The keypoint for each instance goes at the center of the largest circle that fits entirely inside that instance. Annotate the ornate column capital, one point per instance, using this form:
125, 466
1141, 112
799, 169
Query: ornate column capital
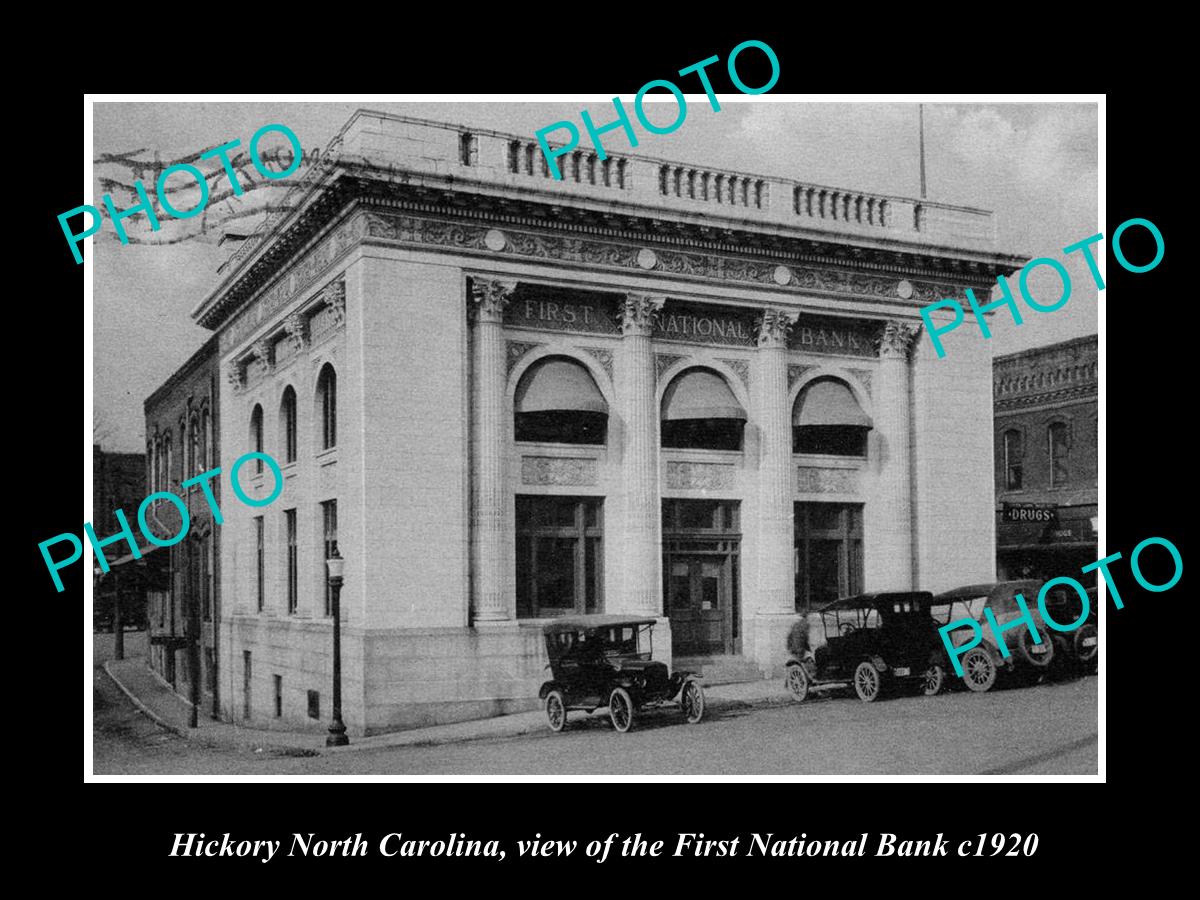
490, 297
335, 299
297, 331
897, 339
636, 313
263, 351
237, 379
773, 327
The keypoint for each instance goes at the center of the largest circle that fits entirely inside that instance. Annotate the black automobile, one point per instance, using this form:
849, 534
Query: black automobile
1080, 648
873, 643
606, 661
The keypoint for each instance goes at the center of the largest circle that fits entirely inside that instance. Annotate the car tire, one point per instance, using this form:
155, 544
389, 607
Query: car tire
691, 699
797, 682
979, 670
1089, 657
933, 680
556, 711
620, 709
868, 682
1039, 661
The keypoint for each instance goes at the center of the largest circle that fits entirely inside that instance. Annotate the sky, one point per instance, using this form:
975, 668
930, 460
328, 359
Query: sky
1033, 164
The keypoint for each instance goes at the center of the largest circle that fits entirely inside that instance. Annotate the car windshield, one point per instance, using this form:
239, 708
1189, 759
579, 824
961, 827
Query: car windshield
970, 608
620, 640
858, 616
616, 641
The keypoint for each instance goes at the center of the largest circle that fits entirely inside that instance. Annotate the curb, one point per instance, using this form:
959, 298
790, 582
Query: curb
145, 710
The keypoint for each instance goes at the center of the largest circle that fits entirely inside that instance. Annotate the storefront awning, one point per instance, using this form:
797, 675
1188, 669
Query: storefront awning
559, 385
829, 402
699, 394
153, 569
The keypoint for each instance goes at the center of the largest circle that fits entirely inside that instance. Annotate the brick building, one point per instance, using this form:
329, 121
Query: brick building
183, 440
648, 388
1046, 424
118, 482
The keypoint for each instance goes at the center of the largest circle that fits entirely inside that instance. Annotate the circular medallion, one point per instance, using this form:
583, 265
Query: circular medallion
904, 289
495, 240
647, 258
783, 275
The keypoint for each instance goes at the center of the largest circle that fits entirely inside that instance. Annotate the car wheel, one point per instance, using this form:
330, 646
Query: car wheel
932, 680
979, 671
797, 682
556, 711
692, 701
867, 682
1037, 655
1087, 647
620, 709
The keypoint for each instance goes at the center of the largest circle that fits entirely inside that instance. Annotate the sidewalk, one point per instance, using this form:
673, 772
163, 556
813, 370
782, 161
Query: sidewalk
170, 711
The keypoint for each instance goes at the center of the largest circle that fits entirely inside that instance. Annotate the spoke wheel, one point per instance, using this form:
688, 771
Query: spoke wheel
797, 682
620, 709
1040, 660
867, 682
692, 702
979, 672
1088, 657
932, 680
556, 711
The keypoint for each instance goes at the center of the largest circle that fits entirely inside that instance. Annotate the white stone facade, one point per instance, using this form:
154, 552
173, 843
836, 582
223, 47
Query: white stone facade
409, 295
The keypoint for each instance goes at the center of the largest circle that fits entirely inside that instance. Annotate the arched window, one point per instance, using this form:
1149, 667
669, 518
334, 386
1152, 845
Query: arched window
1014, 460
164, 483
256, 436
151, 461
194, 457
287, 423
558, 401
1058, 439
699, 410
327, 406
827, 419
206, 448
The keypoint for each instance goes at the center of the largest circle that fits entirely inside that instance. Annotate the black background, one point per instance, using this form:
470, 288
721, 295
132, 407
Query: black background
127, 829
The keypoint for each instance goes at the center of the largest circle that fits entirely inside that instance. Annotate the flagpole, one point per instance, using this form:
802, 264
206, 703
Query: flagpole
921, 118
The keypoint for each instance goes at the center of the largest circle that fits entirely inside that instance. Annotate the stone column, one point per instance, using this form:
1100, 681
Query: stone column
776, 474
641, 533
890, 546
489, 299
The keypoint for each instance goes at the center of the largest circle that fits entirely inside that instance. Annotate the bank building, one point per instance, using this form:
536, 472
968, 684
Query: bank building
649, 388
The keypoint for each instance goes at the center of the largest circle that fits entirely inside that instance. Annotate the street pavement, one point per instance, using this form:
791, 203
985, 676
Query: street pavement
1045, 729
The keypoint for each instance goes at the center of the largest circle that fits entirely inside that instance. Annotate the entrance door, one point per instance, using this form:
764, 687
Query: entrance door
698, 603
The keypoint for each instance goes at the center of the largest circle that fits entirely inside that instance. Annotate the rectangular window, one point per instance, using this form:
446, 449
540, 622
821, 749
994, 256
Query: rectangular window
329, 544
260, 562
314, 704
292, 592
829, 554
1014, 453
210, 671
468, 149
278, 696
1059, 446
559, 556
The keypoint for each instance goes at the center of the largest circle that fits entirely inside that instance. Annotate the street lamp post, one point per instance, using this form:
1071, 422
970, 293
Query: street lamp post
337, 730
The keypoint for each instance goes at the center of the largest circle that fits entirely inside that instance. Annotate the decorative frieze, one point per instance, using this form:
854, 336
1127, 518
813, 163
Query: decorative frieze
557, 470
700, 476
813, 480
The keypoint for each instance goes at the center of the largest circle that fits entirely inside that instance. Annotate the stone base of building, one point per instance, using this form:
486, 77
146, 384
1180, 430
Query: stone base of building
392, 679
766, 641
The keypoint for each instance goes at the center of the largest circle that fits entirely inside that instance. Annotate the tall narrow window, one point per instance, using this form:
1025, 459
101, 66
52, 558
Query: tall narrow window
260, 562
287, 424
290, 527
205, 569
165, 483
256, 436
329, 544
1059, 441
559, 556
206, 448
1014, 460
829, 556
468, 149
327, 403
193, 457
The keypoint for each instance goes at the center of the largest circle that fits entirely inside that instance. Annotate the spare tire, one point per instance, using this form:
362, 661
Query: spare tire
797, 639
1037, 655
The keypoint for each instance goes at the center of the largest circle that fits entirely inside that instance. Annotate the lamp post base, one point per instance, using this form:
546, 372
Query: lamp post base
337, 736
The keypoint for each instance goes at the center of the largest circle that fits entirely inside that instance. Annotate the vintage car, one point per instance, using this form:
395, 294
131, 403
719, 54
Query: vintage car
605, 661
1079, 649
984, 664
871, 642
